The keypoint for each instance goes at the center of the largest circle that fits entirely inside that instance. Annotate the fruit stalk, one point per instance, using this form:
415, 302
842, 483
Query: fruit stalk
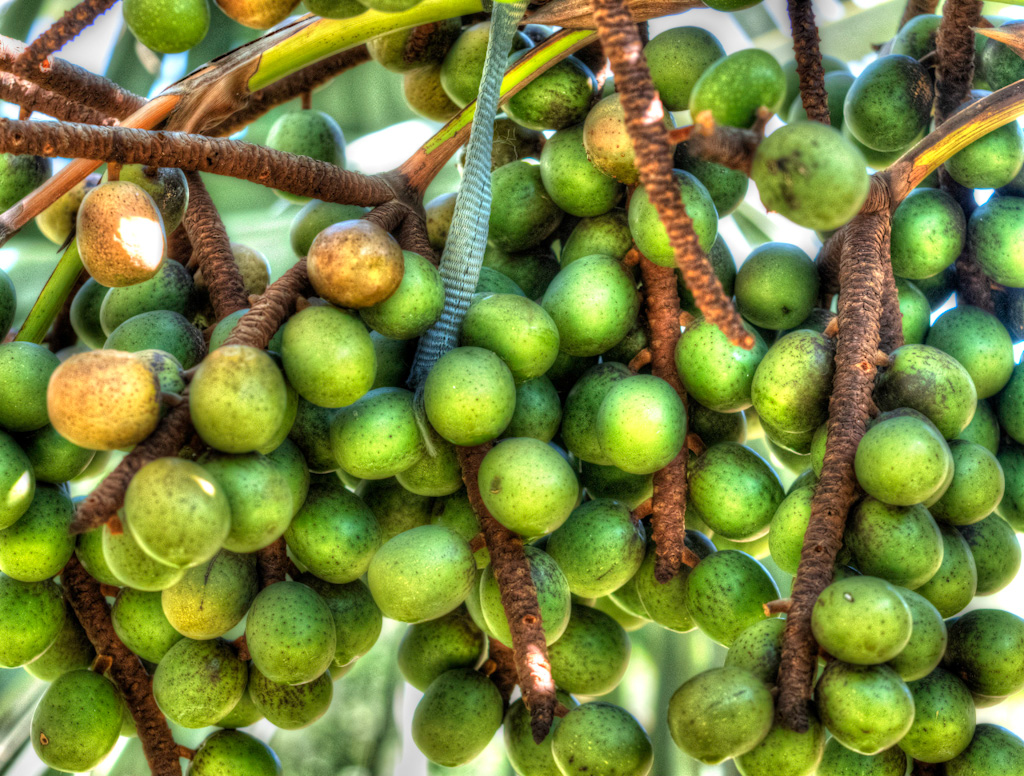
258, 325
34, 98
807, 51
501, 668
644, 115
668, 505
90, 607
61, 32
272, 563
518, 598
51, 299
212, 250
864, 249
728, 146
954, 45
412, 236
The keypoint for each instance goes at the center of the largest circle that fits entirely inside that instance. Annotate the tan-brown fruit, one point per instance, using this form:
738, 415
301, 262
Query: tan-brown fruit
120, 234
424, 94
253, 266
103, 400
56, 221
355, 264
608, 145
258, 14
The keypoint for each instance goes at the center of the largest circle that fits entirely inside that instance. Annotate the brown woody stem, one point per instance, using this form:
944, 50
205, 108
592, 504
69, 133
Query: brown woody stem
34, 98
61, 32
501, 668
90, 607
519, 599
644, 116
954, 45
807, 51
917, 8
264, 318
273, 563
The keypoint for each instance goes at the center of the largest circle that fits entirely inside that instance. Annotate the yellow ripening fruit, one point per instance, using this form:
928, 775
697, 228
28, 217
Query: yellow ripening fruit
355, 264
120, 234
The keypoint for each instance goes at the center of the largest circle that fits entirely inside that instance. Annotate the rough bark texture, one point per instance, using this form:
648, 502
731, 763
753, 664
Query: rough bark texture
519, 599
807, 51
954, 45
61, 32
728, 146
34, 98
501, 668
860, 309
267, 314
916, 8
644, 116
412, 236
272, 563
90, 607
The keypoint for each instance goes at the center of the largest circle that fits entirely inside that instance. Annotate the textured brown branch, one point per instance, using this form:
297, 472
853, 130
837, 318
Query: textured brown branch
501, 668
107, 497
519, 599
267, 314
179, 247
644, 116
860, 309
289, 172
891, 319
272, 563
412, 236
61, 32
807, 51
34, 98
668, 505
90, 607
917, 8
389, 216
211, 249
954, 45
728, 146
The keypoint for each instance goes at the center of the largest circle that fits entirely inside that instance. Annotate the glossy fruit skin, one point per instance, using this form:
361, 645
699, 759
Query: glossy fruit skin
725, 594
576, 185
230, 751
310, 133
735, 491
20, 175
430, 648
519, 330
414, 306
889, 103
552, 595
902, 545
902, 461
810, 174
677, 58
523, 214
995, 233
944, 718
314, 217
38, 605
993, 750
996, 552
130, 565
977, 487
861, 620
650, 234
928, 233
734, 88
837, 84
592, 654
287, 706
776, 286
641, 424
607, 141
840, 761
212, 599
727, 386
260, 495
377, 437
558, 98
463, 66
17, 481
25, 369
458, 715
866, 708
720, 713
956, 581
139, 621
355, 264
168, 28
985, 650
665, 603
784, 752
198, 682
169, 289
601, 736
290, 633
787, 528
726, 186
77, 721
759, 650
914, 310
469, 396
527, 757
38, 545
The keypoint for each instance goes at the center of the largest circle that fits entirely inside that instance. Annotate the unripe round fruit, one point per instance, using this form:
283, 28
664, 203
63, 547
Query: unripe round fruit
861, 620
592, 654
77, 721
956, 581
522, 212
902, 545
785, 752
377, 436
213, 598
597, 733
469, 396
576, 185
516, 328
168, 28
994, 231
355, 264
735, 491
759, 650
71, 651
924, 461
944, 718
38, 545
641, 424
866, 708
17, 481
103, 400
677, 58
726, 593
558, 98
131, 566
840, 761
525, 755
310, 133
889, 103
25, 369
776, 286
259, 493
553, 598
607, 143
715, 372
928, 231
198, 682
650, 234
39, 609
231, 751
985, 650
139, 621
995, 550
290, 633
733, 88
288, 706
414, 306
120, 234
458, 715
20, 175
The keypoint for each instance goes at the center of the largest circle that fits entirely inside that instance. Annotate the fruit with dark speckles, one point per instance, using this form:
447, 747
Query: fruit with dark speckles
641, 424
995, 231
944, 718
517, 329
198, 682
996, 552
601, 738
527, 757
229, 752
579, 416
861, 620
734, 87
792, 383
553, 598
758, 649
788, 526
986, 650
130, 565
38, 545
377, 436
726, 592
77, 721
928, 638
784, 752
866, 708
977, 487
889, 103
902, 460
290, 633
928, 233
715, 372
776, 286
288, 706
666, 603
70, 651
840, 761
677, 58
39, 610
592, 654
140, 622
469, 396
457, 716
650, 234
994, 751
213, 598
956, 581
734, 490
430, 648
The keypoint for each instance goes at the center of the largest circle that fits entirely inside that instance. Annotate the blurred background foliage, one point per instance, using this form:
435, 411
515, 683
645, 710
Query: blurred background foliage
365, 733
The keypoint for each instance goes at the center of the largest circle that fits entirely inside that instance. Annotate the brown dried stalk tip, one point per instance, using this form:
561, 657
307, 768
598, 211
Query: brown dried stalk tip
107, 497
61, 32
501, 669
519, 599
90, 607
954, 45
257, 326
412, 236
273, 563
807, 51
212, 250
644, 115
234, 158
865, 249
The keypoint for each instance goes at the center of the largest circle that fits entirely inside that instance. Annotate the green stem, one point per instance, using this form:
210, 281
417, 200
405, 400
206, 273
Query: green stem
324, 37
52, 297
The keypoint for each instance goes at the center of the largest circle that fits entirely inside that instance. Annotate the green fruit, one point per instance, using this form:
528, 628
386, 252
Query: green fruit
414, 47
395, 508
916, 37
527, 757
469, 396
463, 66
160, 330
77, 721
1011, 508
576, 185
531, 271
198, 682
176, 513
726, 186
861, 620
902, 545
991, 161
438, 474
677, 58
735, 87
810, 174
993, 750
38, 609
314, 217
776, 286
649, 232
641, 424
607, 141
169, 289
290, 633
140, 622
836, 86
923, 455
592, 654
866, 708
20, 175
986, 650
522, 212
944, 718
131, 566
931, 382
720, 713
515, 328
726, 593
455, 512
759, 650
840, 761
311, 434
260, 496
429, 649
238, 399
734, 490
788, 526
1011, 414
606, 234
792, 383
610, 482
213, 598
927, 642
309, 133
243, 714
995, 550
558, 98
328, 356
915, 311
168, 27
357, 620
458, 715
956, 581
288, 460
977, 486
538, 411
421, 574
377, 436
995, 234
979, 342
25, 370
889, 103
552, 595
715, 372
665, 603
413, 307
601, 738
784, 752
599, 548
230, 751
17, 481
334, 535
579, 420
291, 707
492, 281
70, 651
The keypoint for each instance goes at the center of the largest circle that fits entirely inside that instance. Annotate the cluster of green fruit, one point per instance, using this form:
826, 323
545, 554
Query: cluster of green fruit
316, 439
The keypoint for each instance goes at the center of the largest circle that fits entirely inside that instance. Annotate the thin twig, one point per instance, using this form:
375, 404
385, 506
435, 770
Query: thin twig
273, 563
61, 32
917, 8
